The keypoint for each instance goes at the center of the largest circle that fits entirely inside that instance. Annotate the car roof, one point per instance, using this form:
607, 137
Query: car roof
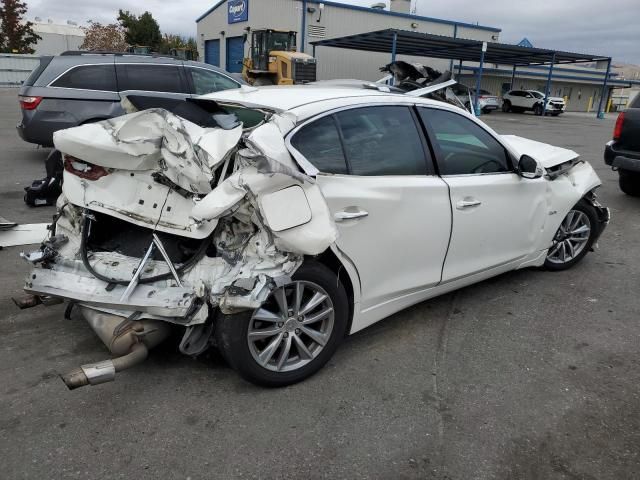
289, 97
61, 63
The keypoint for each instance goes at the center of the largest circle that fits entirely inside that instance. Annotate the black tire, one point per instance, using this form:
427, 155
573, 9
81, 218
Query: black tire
506, 106
538, 110
487, 111
231, 333
585, 207
629, 182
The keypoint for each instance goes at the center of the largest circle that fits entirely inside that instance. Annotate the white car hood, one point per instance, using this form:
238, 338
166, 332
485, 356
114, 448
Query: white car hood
547, 155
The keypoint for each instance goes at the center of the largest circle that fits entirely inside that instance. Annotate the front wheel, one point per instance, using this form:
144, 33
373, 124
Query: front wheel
506, 106
538, 110
574, 237
293, 334
629, 182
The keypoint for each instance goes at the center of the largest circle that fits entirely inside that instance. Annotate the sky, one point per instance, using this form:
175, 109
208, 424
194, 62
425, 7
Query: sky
583, 26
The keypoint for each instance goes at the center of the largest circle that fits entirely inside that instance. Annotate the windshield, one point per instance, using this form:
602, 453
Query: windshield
282, 41
536, 94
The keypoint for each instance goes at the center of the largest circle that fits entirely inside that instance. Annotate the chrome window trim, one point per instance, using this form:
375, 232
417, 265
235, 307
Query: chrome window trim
51, 83
312, 170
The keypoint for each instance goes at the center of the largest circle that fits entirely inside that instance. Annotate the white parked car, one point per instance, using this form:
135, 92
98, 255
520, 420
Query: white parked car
340, 208
487, 102
531, 100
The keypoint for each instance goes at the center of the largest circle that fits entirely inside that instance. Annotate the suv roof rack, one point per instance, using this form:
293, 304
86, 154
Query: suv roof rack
70, 53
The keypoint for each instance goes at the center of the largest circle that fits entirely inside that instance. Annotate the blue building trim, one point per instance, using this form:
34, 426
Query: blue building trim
380, 12
556, 76
210, 10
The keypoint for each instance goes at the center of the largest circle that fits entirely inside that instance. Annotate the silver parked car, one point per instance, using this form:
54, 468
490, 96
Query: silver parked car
75, 88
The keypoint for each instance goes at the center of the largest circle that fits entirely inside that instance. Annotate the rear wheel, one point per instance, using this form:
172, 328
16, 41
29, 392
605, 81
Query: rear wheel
629, 182
506, 106
574, 237
293, 334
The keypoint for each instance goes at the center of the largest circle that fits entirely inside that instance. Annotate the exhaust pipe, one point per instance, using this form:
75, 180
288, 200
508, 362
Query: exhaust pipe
129, 340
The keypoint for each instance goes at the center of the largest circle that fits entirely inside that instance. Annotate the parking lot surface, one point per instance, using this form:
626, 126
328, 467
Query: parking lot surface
530, 375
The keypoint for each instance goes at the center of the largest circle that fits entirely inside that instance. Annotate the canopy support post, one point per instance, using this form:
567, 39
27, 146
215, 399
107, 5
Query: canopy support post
548, 87
604, 90
476, 105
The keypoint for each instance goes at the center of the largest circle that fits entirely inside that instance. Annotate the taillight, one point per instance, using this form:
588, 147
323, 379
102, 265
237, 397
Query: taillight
617, 130
29, 103
83, 169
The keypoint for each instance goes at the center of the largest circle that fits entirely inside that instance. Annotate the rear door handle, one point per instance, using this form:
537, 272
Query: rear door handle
349, 215
468, 203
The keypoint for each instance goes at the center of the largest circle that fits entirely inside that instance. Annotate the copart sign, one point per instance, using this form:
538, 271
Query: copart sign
238, 11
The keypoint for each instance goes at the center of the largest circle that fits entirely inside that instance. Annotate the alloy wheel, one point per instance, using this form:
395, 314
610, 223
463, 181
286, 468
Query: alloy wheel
292, 327
571, 238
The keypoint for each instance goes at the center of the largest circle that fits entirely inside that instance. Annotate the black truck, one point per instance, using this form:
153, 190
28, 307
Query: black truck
623, 152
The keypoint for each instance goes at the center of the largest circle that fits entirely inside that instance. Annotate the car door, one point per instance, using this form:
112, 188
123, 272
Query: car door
166, 81
392, 212
516, 98
497, 215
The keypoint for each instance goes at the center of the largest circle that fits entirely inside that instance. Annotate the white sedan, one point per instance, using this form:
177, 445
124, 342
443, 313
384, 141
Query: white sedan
345, 205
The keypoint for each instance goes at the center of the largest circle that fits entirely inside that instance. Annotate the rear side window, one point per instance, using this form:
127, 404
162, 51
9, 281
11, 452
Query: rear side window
36, 72
319, 142
89, 77
636, 102
465, 148
151, 78
207, 81
382, 141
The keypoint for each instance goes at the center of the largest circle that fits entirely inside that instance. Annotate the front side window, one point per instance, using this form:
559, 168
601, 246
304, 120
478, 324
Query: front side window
465, 147
150, 78
208, 81
382, 141
89, 77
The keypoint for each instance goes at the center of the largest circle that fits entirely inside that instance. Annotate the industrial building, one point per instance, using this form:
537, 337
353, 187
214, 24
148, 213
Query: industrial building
221, 29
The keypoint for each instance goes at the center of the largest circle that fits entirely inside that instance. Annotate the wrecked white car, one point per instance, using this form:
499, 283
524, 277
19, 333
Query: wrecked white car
272, 241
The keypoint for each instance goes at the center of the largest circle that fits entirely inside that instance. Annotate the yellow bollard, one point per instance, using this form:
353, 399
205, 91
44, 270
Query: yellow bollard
609, 105
590, 104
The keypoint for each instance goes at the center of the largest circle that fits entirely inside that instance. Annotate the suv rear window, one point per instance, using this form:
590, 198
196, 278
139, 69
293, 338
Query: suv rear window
89, 77
35, 73
151, 78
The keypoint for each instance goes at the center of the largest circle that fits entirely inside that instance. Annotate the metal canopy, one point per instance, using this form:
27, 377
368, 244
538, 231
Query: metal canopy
404, 42
439, 46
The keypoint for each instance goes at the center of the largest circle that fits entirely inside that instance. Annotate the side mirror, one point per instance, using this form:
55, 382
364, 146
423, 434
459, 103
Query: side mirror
528, 167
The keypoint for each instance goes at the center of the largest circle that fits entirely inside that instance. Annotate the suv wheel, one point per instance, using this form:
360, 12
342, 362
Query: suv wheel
292, 335
538, 110
629, 182
506, 106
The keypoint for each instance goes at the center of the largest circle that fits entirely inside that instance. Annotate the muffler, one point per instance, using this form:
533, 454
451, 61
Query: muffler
129, 340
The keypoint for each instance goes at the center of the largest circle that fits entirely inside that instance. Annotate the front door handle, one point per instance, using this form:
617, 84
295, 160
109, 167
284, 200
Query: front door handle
468, 203
349, 215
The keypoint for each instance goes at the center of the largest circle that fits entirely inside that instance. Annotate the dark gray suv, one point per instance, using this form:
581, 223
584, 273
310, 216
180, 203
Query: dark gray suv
82, 87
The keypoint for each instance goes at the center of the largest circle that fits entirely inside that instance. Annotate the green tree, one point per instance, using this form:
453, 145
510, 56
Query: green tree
140, 30
16, 35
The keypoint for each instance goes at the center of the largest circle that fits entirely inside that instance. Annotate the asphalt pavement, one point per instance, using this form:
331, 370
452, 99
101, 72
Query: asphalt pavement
530, 375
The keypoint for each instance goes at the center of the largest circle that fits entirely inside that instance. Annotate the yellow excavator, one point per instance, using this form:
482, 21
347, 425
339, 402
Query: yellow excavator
274, 60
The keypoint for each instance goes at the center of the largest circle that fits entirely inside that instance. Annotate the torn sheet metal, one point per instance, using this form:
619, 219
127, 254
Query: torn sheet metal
153, 139
261, 216
27, 234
